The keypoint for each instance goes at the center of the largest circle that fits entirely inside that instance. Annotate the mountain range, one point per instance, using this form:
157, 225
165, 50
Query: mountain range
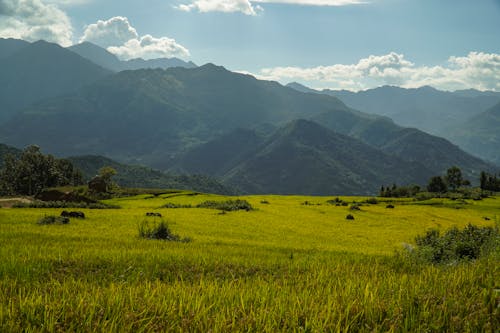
257, 135
448, 114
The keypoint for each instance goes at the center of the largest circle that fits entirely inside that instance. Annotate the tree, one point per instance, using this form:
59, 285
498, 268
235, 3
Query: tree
106, 173
483, 180
437, 185
32, 172
454, 178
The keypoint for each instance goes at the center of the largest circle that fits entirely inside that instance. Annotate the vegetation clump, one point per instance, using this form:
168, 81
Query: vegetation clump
228, 205
355, 206
337, 201
160, 231
349, 217
53, 220
455, 245
175, 205
64, 204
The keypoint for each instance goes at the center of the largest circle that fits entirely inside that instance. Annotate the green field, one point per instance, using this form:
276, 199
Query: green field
284, 266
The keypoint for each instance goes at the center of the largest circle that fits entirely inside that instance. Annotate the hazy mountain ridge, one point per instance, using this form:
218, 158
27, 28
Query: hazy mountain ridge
106, 59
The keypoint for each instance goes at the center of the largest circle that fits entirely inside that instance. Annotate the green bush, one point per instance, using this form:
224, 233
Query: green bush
64, 204
372, 201
455, 245
174, 205
159, 231
228, 205
349, 217
53, 220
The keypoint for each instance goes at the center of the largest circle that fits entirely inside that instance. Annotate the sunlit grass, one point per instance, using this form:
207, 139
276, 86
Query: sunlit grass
284, 266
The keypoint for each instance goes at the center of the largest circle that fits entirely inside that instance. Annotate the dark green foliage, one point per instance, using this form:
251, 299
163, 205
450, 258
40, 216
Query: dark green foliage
437, 185
160, 231
65, 204
455, 244
349, 217
337, 201
134, 176
175, 205
372, 201
389, 206
355, 206
454, 178
265, 202
399, 191
53, 220
228, 205
33, 171
489, 182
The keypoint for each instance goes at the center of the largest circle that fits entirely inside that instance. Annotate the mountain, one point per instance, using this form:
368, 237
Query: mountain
98, 55
425, 108
304, 157
481, 134
9, 46
150, 116
103, 58
172, 119
143, 177
42, 70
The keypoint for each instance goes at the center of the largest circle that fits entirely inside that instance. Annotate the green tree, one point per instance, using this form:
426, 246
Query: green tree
454, 178
437, 185
107, 173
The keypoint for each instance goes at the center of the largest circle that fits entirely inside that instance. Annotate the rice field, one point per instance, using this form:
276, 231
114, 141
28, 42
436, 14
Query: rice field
293, 264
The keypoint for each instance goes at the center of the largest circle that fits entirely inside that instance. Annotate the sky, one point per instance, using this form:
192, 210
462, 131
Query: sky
336, 44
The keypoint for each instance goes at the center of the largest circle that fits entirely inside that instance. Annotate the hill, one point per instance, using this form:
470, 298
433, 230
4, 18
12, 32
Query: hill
41, 70
9, 46
160, 117
140, 176
481, 134
5, 150
304, 157
103, 58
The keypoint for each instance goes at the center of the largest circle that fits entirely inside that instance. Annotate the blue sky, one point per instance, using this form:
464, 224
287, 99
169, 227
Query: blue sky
354, 46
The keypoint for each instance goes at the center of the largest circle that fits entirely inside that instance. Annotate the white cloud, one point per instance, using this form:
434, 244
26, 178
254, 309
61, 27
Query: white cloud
113, 32
122, 39
226, 6
149, 47
32, 20
476, 70
251, 7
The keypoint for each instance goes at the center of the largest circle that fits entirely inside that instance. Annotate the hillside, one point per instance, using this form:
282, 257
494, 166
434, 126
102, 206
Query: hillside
139, 176
105, 59
41, 70
305, 158
481, 134
9, 46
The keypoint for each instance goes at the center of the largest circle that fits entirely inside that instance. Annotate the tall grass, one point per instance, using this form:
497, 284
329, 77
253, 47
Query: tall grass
284, 267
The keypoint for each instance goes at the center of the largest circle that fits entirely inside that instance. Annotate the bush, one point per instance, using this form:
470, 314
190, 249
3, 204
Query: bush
265, 202
228, 205
455, 245
159, 231
349, 217
64, 204
53, 220
337, 201
389, 206
371, 201
174, 205
354, 207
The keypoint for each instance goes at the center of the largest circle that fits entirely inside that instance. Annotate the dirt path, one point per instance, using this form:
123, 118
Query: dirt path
9, 202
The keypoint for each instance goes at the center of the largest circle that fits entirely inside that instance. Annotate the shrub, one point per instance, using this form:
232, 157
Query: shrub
337, 201
354, 207
53, 220
455, 245
349, 217
64, 204
228, 205
372, 201
174, 205
265, 202
389, 206
159, 231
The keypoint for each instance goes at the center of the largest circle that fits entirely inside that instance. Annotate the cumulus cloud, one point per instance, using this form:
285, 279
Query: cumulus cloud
251, 7
32, 20
122, 39
148, 47
113, 32
476, 70
226, 6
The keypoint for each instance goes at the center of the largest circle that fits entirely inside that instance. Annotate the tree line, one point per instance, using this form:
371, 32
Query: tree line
33, 171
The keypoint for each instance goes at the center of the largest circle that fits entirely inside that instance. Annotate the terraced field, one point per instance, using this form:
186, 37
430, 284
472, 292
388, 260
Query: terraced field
293, 263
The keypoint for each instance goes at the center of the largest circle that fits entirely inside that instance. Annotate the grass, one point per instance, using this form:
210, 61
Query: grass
282, 267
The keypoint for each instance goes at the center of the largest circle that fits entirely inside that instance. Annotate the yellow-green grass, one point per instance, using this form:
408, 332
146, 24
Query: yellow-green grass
285, 266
